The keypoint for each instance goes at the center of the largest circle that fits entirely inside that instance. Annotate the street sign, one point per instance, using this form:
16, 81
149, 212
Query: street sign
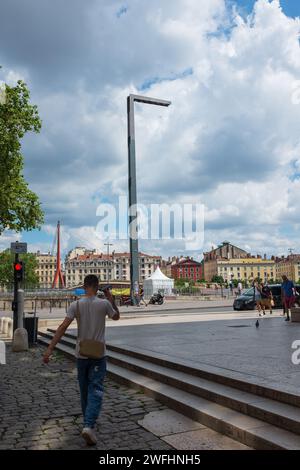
18, 248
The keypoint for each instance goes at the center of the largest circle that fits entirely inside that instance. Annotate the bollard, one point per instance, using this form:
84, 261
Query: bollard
10, 328
2, 353
5, 325
20, 340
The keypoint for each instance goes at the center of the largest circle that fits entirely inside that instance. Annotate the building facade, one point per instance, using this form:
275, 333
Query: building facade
45, 269
246, 269
289, 266
187, 268
231, 262
115, 266
225, 251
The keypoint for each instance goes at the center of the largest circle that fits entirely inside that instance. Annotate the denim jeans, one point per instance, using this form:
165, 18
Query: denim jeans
91, 374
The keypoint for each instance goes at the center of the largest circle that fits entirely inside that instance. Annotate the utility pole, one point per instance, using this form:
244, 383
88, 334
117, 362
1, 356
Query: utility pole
108, 245
18, 267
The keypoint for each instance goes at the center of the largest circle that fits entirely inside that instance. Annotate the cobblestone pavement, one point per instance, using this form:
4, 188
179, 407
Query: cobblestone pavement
39, 408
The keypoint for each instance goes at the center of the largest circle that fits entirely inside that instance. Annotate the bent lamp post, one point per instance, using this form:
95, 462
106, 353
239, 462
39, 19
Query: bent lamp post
132, 220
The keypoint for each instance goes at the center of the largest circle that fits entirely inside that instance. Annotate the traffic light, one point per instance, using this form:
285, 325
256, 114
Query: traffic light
18, 271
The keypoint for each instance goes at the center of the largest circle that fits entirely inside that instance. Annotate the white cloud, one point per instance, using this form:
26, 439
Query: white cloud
230, 139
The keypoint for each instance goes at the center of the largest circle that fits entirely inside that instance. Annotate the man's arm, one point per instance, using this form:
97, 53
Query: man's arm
111, 300
59, 333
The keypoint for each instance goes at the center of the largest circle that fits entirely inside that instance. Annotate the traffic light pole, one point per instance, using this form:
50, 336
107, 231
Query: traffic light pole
15, 302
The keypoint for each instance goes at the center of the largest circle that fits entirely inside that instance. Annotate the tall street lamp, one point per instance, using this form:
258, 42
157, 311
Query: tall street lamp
134, 250
108, 268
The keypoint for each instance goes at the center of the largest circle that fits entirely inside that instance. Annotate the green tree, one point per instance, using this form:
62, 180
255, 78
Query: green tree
217, 279
19, 207
6, 269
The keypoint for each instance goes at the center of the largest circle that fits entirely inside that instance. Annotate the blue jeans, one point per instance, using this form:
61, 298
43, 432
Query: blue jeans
91, 374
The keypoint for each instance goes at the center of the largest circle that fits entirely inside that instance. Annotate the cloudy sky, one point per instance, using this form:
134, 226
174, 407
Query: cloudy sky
230, 140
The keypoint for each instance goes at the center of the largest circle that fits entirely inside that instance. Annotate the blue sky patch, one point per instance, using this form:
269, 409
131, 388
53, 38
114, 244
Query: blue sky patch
121, 11
290, 7
174, 76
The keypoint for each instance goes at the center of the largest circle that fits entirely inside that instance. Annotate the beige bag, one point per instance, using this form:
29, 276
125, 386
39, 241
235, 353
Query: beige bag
89, 347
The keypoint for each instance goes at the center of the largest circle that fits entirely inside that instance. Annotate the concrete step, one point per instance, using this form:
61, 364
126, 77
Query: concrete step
245, 429
273, 412
210, 373
244, 408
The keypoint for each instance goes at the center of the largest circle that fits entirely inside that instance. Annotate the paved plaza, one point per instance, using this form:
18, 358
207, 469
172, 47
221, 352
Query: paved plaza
168, 306
40, 410
228, 344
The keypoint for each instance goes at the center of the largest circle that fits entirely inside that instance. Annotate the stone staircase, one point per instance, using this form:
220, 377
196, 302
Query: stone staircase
255, 415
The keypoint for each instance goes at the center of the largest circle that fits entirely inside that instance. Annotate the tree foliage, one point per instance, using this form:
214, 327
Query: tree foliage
19, 207
217, 279
6, 269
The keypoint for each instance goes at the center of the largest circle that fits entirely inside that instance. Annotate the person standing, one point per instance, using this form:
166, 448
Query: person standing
288, 295
266, 299
90, 313
240, 287
142, 299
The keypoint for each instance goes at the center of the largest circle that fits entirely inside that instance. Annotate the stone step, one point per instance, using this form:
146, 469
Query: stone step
250, 431
210, 373
273, 412
245, 429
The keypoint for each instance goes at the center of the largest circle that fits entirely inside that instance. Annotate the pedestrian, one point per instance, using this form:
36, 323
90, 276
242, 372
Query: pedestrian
266, 299
90, 313
142, 299
240, 287
231, 286
288, 295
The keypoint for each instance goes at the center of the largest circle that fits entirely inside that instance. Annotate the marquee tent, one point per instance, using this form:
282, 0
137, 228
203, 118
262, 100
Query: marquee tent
158, 282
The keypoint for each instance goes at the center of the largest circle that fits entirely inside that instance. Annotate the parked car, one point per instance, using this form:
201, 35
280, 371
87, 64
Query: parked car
246, 301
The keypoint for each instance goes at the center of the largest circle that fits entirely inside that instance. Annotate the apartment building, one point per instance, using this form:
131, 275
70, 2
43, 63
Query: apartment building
45, 269
116, 266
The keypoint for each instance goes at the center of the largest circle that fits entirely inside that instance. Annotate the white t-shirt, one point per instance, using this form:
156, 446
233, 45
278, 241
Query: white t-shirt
93, 313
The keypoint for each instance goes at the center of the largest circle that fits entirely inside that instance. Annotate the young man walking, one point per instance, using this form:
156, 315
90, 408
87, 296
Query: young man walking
90, 313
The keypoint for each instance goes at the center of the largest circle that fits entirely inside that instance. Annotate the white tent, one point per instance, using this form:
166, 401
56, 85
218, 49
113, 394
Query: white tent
158, 282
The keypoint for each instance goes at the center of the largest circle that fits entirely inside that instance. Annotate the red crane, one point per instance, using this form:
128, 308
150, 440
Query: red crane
58, 277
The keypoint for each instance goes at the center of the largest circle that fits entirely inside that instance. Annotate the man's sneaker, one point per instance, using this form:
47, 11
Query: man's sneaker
287, 319
89, 436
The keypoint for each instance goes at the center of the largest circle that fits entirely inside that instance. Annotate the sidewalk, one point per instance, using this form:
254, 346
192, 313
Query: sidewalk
40, 410
169, 305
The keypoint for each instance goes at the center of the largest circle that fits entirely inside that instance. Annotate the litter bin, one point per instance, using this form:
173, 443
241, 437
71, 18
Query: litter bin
30, 324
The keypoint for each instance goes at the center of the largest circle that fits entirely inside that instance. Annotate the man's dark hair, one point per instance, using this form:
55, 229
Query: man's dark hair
91, 281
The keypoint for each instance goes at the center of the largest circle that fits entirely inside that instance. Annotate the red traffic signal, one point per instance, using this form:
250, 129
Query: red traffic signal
18, 271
